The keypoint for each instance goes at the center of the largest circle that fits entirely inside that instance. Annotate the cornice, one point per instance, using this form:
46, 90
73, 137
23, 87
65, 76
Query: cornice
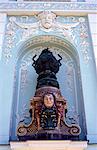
13, 8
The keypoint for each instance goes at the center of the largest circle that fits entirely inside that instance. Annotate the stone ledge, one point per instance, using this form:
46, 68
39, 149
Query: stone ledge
49, 145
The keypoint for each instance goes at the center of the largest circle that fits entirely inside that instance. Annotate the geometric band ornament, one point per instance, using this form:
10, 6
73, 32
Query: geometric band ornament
48, 107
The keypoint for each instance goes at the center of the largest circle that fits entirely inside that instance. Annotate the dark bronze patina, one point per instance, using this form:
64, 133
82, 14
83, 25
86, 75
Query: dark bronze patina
46, 66
48, 107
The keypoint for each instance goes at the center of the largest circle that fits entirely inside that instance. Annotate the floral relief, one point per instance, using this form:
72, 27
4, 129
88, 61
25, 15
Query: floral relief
84, 44
20, 28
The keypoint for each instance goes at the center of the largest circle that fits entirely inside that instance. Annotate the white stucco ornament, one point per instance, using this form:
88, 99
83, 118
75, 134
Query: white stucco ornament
46, 19
21, 28
46, 22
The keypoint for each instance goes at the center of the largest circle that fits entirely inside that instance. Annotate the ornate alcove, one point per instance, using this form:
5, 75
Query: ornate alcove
68, 77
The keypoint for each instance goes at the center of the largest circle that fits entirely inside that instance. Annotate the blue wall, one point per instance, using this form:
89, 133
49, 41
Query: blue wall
84, 51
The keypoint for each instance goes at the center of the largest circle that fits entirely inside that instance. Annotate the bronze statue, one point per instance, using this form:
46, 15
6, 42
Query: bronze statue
48, 107
46, 66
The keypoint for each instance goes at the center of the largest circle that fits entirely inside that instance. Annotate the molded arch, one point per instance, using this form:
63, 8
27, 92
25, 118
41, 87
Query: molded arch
46, 40
27, 46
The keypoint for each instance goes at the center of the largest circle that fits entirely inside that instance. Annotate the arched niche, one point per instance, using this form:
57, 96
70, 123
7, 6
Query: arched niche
69, 79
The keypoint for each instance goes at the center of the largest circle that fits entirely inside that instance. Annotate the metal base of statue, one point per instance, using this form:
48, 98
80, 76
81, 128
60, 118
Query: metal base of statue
48, 107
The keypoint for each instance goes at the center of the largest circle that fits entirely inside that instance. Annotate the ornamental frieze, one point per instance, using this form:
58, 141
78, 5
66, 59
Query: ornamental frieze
53, 6
21, 28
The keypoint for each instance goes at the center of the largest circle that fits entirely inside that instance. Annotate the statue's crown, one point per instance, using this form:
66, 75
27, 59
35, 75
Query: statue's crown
46, 61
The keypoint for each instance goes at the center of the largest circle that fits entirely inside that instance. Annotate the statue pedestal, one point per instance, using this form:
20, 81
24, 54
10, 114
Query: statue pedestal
49, 145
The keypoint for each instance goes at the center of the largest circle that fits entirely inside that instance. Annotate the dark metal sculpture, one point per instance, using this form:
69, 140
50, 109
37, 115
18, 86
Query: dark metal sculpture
48, 107
46, 66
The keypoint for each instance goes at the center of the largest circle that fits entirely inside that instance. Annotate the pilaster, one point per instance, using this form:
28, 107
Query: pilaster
91, 110
93, 29
6, 73
2, 30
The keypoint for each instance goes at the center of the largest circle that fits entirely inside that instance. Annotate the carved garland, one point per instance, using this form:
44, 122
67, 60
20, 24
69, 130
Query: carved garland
18, 31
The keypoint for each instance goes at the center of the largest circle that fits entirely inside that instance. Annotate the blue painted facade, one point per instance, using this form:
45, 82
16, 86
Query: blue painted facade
77, 76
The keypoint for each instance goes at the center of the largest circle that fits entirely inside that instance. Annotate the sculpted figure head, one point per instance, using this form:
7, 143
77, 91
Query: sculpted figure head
47, 18
48, 100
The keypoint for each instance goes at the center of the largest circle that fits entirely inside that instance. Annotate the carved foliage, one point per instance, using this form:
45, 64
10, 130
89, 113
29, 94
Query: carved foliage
74, 29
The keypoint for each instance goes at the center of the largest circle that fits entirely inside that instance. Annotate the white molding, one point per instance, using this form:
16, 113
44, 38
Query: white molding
63, 8
53, 145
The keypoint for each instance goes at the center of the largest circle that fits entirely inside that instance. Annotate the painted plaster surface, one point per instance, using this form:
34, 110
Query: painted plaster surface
21, 28
70, 28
